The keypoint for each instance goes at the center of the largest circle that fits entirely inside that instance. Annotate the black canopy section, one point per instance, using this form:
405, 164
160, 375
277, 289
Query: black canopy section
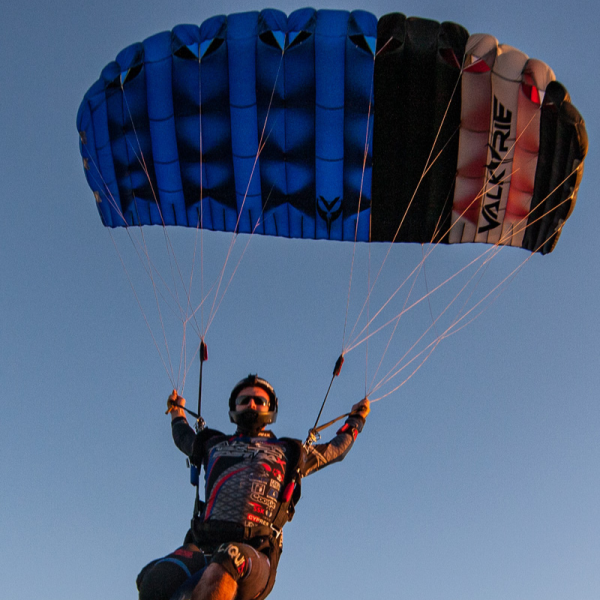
417, 118
563, 146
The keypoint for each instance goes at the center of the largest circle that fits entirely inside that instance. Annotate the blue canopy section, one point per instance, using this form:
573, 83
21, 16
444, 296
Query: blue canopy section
253, 122
289, 126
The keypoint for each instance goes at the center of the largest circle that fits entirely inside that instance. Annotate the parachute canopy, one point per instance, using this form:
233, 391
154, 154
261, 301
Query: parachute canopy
334, 125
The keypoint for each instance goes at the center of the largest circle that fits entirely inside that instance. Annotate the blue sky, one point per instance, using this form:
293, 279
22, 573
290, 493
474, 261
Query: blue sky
478, 479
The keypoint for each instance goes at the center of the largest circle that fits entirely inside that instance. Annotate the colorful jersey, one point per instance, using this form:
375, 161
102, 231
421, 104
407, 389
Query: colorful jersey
244, 476
244, 480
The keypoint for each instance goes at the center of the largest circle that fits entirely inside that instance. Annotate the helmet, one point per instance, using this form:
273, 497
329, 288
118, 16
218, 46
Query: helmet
251, 419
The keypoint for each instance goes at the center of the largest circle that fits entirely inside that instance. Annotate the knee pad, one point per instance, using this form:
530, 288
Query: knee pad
234, 558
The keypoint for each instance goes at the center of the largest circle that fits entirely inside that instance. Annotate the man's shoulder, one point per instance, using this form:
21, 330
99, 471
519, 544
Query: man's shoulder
208, 436
292, 441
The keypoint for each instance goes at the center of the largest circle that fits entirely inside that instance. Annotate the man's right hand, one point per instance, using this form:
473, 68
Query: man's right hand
175, 404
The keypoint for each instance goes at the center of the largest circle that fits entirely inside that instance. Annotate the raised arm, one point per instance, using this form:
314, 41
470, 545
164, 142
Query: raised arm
183, 434
321, 455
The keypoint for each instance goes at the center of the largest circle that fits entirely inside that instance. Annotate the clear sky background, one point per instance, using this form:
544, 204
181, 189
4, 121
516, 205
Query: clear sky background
477, 480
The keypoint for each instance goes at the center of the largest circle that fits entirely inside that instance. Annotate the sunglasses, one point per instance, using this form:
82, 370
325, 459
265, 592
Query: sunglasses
245, 400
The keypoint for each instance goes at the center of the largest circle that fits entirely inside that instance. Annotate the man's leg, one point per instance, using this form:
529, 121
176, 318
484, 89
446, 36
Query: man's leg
216, 584
161, 578
236, 571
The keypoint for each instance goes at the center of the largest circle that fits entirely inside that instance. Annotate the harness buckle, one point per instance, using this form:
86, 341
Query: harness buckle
313, 436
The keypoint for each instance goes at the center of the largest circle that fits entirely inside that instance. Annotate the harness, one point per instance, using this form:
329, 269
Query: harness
265, 539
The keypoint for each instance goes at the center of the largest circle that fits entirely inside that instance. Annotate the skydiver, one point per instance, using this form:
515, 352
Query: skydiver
252, 482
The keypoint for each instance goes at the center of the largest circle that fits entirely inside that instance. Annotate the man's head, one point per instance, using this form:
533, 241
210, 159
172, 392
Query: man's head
253, 404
